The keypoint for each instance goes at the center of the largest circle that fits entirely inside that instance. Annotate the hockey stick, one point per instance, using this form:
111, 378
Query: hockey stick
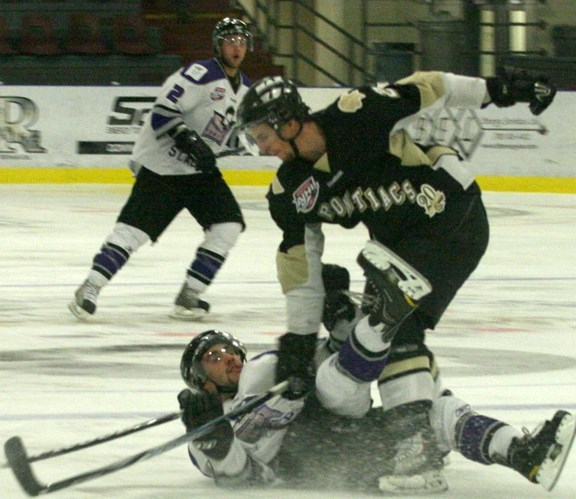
18, 460
100, 440
231, 152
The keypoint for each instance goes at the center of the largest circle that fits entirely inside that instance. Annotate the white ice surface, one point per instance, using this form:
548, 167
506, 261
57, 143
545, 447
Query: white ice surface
507, 344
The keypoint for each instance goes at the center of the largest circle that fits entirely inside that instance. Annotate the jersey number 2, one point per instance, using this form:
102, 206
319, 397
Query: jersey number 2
175, 94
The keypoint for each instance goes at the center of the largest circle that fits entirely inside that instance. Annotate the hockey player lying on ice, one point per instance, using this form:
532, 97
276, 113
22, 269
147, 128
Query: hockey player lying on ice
287, 442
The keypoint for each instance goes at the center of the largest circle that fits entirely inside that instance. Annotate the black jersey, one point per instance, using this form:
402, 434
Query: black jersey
372, 173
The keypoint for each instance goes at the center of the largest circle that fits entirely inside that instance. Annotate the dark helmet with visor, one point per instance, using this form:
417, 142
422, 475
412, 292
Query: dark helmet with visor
191, 369
274, 100
230, 26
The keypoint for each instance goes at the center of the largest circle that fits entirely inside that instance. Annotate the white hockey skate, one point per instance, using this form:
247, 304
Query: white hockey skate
84, 304
188, 305
416, 469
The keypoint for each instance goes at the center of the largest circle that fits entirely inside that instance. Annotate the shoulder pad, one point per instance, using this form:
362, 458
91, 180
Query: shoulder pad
386, 90
351, 101
196, 71
276, 186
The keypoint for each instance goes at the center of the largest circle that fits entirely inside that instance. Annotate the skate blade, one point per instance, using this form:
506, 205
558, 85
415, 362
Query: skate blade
429, 482
551, 467
78, 312
186, 314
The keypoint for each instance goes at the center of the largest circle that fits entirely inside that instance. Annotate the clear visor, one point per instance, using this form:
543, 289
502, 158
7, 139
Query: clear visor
216, 353
248, 142
256, 137
237, 40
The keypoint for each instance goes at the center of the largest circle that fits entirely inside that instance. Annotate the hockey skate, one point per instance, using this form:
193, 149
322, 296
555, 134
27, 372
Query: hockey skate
84, 303
188, 305
541, 455
416, 467
398, 287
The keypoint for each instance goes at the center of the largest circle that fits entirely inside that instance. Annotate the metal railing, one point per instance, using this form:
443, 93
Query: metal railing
298, 47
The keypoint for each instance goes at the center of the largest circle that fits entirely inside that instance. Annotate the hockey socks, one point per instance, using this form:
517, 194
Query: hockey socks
363, 355
204, 268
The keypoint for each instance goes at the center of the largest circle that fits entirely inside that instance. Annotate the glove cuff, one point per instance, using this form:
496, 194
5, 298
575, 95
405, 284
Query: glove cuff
301, 344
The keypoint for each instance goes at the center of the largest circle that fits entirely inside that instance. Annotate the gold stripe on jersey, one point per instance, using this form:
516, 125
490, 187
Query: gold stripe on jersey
436, 152
404, 367
322, 164
277, 187
292, 268
429, 83
410, 154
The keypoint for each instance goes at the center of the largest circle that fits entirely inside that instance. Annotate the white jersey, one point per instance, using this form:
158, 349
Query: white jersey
199, 96
258, 434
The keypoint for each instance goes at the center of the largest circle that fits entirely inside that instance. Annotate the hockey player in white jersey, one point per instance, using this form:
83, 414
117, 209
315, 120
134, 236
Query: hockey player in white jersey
175, 167
242, 453
298, 443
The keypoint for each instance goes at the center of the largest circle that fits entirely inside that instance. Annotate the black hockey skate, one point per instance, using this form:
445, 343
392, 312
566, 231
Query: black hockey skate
541, 455
397, 286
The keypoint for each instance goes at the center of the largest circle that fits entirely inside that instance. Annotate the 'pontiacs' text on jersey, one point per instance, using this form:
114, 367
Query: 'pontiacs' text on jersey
201, 97
372, 173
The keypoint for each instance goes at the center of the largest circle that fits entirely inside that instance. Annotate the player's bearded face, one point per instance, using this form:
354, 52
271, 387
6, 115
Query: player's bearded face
233, 50
223, 365
269, 142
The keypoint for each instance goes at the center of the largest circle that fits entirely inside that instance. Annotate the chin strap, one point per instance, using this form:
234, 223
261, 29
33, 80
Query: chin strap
226, 389
292, 141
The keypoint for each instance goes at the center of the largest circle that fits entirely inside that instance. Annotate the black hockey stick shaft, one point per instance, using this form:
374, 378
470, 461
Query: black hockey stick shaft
18, 460
105, 438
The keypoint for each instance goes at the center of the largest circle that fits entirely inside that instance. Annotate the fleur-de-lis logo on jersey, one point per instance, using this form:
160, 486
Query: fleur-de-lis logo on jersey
350, 102
431, 200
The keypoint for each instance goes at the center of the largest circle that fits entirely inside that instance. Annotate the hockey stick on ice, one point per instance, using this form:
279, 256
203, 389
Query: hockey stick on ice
18, 460
100, 440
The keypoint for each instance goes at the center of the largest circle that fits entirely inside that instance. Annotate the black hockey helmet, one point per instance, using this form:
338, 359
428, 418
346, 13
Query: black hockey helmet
191, 368
274, 100
230, 26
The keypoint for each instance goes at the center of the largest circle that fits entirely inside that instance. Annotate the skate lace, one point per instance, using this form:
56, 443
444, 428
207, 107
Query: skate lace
188, 298
360, 298
410, 455
88, 291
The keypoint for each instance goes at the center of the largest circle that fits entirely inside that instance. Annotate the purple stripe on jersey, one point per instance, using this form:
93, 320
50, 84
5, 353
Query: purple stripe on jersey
158, 121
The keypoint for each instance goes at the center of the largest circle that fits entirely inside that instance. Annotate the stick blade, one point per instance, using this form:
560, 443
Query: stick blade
18, 461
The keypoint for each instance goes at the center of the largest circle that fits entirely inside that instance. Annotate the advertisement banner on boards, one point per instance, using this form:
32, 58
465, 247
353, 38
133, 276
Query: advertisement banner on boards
97, 127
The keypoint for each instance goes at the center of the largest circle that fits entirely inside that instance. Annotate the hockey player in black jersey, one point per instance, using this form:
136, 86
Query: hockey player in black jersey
352, 163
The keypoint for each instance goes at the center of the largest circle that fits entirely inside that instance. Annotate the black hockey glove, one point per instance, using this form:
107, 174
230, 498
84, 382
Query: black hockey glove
190, 143
514, 85
199, 408
296, 363
337, 306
